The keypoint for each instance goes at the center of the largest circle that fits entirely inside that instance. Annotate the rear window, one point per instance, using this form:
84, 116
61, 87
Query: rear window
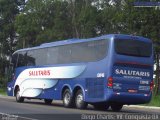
133, 48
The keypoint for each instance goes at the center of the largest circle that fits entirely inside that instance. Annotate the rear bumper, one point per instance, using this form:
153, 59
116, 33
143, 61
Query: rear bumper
121, 97
130, 98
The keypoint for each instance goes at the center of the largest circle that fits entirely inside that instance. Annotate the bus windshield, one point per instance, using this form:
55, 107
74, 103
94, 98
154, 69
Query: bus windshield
133, 48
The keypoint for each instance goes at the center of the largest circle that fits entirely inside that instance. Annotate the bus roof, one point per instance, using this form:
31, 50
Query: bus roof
76, 40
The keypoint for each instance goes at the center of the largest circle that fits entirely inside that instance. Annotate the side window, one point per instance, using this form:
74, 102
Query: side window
30, 58
52, 55
72, 53
80, 52
41, 56
89, 51
21, 59
100, 48
64, 54
14, 60
36, 57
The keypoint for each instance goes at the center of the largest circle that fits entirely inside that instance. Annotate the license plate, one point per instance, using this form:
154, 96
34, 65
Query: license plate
132, 91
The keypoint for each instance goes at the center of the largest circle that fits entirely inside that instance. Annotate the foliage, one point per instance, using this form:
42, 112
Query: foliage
8, 11
25, 23
49, 20
2, 92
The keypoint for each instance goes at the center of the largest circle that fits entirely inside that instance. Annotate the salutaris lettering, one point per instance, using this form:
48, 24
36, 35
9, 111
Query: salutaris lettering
39, 73
132, 73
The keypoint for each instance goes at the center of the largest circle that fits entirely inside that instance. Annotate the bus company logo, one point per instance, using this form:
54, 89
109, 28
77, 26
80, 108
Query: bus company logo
132, 73
39, 73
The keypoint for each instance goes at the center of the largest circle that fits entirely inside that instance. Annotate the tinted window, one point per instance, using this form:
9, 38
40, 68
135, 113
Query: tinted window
64, 54
78, 52
89, 51
52, 55
73, 53
36, 57
31, 58
133, 48
14, 59
21, 59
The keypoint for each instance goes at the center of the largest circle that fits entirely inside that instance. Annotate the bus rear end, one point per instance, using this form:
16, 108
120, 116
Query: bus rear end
132, 70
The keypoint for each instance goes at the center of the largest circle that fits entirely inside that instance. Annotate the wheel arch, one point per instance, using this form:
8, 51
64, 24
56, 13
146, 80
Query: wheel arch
64, 88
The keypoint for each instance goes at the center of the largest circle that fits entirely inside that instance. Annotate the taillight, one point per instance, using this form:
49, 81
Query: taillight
110, 82
151, 85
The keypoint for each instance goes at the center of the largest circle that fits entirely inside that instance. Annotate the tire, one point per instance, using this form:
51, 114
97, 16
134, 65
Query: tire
19, 99
79, 100
116, 107
48, 101
67, 99
101, 106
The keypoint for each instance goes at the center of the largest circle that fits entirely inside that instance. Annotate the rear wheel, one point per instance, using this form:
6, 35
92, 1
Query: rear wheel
18, 97
67, 99
101, 106
116, 107
48, 101
79, 100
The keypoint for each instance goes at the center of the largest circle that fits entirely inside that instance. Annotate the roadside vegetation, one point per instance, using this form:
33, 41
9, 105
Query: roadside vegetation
3, 85
3, 91
155, 101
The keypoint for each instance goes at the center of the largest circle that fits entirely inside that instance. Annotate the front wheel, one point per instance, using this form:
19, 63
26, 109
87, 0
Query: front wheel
48, 101
116, 107
18, 97
79, 100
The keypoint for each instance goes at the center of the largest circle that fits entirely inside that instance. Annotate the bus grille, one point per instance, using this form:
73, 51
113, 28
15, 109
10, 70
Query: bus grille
95, 87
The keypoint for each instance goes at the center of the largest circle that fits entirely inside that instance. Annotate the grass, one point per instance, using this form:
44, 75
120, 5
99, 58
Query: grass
155, 101
3, 92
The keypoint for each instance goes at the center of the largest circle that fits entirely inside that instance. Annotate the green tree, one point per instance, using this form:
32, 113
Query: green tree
51, 20
42, 21
83, 17
8, 10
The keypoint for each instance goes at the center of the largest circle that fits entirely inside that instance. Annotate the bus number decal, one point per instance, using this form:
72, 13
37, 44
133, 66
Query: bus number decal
99, 75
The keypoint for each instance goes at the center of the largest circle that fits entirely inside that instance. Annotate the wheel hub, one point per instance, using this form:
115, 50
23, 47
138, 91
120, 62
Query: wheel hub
67, 98
79, 99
